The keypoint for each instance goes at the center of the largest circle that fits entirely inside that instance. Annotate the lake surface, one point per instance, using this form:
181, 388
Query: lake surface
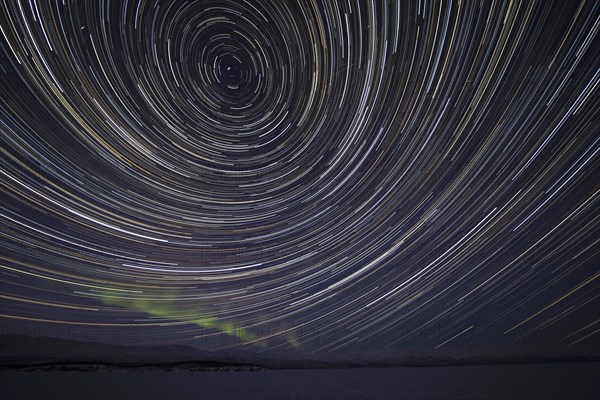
535, 381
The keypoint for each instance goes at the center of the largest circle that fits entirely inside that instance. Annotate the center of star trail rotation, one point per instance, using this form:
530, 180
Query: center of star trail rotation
382, 173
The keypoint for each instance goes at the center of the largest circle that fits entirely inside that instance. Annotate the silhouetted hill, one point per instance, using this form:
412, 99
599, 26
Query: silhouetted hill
52, 354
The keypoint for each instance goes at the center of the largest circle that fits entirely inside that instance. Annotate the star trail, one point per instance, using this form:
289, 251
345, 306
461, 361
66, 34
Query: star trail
311, 175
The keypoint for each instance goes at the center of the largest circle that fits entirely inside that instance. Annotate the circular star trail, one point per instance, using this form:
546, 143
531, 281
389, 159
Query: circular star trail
354, 173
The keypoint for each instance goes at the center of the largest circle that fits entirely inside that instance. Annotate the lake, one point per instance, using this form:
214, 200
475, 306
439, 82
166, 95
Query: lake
533, 381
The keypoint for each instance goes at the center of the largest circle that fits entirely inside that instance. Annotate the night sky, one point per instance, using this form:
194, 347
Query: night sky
312, 176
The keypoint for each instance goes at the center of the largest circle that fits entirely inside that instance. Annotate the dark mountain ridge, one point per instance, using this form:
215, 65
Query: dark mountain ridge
45, 353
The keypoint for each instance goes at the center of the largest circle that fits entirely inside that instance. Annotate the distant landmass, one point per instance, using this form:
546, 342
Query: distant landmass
45, 354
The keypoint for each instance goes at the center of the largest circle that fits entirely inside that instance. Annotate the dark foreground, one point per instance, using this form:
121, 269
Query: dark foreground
535, 381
